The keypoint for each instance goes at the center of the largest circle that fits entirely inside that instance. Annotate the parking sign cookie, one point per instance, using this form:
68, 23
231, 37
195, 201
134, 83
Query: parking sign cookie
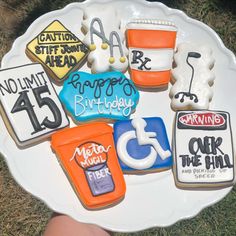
30, 104
105, 40
58, 49
203, 149
88, 157
142, 145
108, 96
192, 77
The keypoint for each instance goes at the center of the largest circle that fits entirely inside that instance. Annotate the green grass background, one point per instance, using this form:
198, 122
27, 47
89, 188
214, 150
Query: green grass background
22, 214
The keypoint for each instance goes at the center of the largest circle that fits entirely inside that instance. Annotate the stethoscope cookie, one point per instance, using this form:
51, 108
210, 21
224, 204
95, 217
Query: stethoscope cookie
203, 149
31, 107
142, 145
109, 96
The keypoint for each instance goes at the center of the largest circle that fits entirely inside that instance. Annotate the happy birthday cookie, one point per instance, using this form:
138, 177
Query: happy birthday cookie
203, 149
151, 45
142, 145
105, 40
109, 96
30, 105
192, 77
58, 49
88, 157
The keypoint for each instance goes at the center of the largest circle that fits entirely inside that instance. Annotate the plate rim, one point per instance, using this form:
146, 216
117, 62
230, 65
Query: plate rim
168, 11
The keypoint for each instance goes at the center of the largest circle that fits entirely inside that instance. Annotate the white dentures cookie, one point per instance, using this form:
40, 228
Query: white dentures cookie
192, 77
104, 39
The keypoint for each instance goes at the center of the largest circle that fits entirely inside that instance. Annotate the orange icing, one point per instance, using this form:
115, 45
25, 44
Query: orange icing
86, 146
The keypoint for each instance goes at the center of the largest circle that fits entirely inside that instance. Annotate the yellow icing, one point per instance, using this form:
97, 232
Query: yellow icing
58, 49
111, 60
104, 46
122, 59
92, 47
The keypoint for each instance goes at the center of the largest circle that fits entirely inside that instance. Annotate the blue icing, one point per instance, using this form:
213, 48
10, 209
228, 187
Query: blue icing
138, 152
91, 96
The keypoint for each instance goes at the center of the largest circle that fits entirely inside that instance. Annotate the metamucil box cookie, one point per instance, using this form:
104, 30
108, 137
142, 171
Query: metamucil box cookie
88, 156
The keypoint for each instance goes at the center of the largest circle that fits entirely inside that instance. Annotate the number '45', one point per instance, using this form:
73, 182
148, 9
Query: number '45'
23, 103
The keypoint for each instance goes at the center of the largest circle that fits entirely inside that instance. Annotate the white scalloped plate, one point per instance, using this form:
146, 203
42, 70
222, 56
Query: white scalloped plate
151, 200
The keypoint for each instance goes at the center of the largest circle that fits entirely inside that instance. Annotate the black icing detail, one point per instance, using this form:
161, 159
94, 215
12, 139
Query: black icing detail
194, 160
188, 94
12, 86
207, 145
226, 159
98, 84
220, 161
54, 36
26, 141
23, 104
138, 58
46, 101
60, 61
84, 48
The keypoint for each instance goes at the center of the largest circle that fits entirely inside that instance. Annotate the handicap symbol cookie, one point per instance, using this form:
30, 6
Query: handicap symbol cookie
109, 96
142, 145
88, 157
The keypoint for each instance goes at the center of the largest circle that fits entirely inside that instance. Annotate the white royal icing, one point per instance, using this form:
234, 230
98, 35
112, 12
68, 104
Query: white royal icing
30, 103
151, 24
203, 147
105, 28
193, 77
144, 138
159, 59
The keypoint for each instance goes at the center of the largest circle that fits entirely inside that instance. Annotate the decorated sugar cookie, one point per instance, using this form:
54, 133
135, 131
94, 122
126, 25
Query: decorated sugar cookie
87, 154
151, 45
108, 95
58, 49
30, 105
142, 145
103, 36
203, 149
192, 77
